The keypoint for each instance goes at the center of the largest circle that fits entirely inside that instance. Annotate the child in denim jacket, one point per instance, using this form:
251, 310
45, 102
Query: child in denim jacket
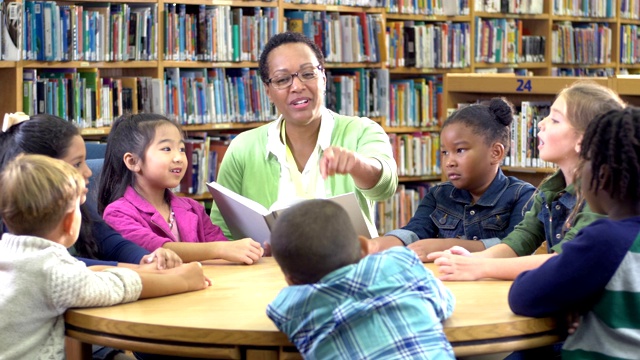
479, 205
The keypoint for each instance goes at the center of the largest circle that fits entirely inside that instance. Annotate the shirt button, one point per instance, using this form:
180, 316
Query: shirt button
475, 238
557, 207
558, 236
472, 212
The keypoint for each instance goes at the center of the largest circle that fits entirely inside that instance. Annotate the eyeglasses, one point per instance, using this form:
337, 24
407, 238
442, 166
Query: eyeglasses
284, 81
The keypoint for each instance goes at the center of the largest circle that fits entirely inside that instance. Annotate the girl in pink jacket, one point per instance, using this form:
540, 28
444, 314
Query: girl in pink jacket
145, 157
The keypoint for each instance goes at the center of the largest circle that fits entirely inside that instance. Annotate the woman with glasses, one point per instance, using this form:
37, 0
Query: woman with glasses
309, 151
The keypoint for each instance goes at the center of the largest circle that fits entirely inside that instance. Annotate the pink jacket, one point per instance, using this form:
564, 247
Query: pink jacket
134, 218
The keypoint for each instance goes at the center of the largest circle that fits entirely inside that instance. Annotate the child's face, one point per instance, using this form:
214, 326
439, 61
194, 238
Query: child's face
557, 137
164, 161
77, 157
466, 158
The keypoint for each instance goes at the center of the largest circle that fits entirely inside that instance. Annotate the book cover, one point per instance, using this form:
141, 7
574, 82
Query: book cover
11, 31
247, 218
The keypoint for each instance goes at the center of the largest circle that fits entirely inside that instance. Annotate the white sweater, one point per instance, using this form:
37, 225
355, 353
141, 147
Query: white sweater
39, 281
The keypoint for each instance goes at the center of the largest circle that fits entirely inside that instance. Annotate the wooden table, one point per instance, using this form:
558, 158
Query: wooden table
228, 319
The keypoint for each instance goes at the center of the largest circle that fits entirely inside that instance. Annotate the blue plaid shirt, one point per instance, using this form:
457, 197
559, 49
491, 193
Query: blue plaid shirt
387, 306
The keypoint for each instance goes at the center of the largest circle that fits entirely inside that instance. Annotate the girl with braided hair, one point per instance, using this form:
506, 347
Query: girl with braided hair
604, 257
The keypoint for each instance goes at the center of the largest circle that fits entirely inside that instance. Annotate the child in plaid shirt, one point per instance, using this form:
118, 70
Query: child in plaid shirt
341, 304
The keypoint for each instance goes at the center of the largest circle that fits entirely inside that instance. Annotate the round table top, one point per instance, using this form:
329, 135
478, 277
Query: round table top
232, 312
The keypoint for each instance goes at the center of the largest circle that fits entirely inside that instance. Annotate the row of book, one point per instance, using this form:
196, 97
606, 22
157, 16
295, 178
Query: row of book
428, 7
415, 102
523, 151
204, 155
503, 41
603, 72
630, 9
587, 8
358, 92
629, 44
84, 97
509, 6
217, 33
581, 43
90, 31
396, 211
428, 45
343, 38
216, 95
417, 154
360, 3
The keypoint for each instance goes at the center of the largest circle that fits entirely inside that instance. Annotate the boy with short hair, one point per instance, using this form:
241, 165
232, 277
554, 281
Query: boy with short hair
40, 204
341, 304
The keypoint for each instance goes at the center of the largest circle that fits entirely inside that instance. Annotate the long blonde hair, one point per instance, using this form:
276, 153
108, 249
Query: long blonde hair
585, 100
37, 191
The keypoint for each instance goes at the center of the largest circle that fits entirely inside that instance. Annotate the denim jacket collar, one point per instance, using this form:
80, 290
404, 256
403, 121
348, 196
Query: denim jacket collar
489, 198
551, 189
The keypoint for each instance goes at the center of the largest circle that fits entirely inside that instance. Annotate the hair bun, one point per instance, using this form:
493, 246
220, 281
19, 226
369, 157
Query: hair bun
502, 109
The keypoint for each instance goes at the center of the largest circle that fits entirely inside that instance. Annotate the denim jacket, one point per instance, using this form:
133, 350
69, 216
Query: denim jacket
545, 221
449, 212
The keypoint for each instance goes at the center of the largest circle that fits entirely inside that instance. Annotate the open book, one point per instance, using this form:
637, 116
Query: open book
247, 218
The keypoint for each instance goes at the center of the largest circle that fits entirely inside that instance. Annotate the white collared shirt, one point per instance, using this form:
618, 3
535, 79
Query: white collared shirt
287, 195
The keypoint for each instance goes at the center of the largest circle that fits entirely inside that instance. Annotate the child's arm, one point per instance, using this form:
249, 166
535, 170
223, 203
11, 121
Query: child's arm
105, 285
521, 205
245, 251
427, 246
457, 267
113, 247
420, 226
184, 278
126, 220
574, 278
583, 219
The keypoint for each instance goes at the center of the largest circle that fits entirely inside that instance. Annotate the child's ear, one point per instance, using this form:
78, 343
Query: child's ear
603, 177
132, 162
364, 246
497, 153
67, 222
578, 145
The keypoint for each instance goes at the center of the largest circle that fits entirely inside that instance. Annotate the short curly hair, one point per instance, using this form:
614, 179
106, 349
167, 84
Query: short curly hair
281, 39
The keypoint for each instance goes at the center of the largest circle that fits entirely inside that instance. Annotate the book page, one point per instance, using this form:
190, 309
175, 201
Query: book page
244, 217
350, 203
247, 218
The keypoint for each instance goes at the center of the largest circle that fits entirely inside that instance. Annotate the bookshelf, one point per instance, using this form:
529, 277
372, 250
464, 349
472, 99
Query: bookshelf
468, 88
459, 31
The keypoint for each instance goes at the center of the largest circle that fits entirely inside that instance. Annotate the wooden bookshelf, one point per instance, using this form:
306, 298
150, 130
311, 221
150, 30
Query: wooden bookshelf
462, 86
467, 88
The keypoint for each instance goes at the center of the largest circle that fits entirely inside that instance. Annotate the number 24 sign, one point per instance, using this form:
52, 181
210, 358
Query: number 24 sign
523, 85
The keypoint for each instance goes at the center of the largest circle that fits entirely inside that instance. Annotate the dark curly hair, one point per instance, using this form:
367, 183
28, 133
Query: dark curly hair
489, 119
281, 39
612, 142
